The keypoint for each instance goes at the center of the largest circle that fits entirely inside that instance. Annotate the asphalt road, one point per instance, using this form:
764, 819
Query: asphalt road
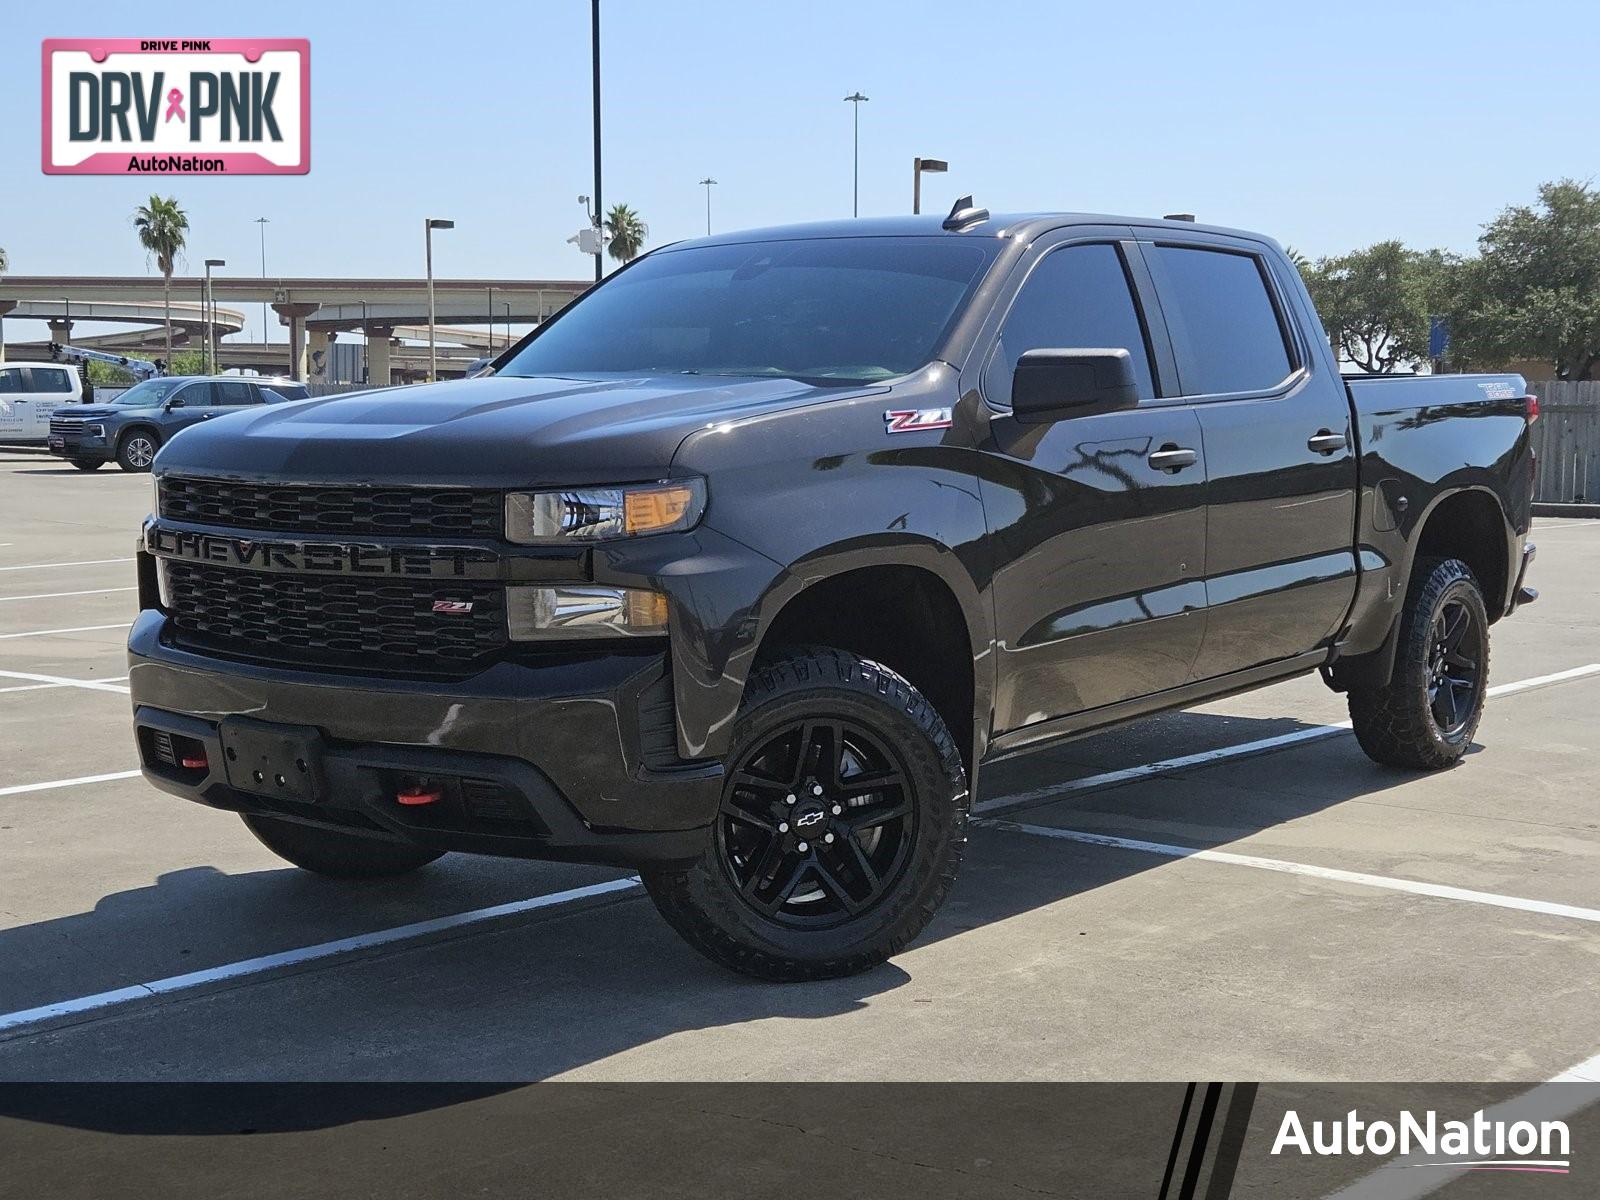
1347, 921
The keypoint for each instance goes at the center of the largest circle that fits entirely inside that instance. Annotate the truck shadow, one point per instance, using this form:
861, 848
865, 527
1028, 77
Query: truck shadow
531, 998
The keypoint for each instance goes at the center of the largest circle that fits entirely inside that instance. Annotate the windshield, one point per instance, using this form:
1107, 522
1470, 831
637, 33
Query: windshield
834, 310
147, 394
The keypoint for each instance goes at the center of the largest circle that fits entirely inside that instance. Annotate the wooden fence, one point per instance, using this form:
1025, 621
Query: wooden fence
1567, 440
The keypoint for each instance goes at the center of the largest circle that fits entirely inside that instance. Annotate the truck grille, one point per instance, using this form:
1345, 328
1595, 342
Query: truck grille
72, 425
404, 511
320, 620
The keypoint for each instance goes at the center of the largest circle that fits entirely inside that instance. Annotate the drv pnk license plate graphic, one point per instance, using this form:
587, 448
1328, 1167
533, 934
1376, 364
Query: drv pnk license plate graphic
151, 106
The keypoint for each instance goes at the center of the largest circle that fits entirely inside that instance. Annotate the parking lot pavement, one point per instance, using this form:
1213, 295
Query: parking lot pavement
1369, 924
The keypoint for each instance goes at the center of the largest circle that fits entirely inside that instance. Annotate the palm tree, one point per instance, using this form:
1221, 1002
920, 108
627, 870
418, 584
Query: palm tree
627, 231
162, 226
5, 263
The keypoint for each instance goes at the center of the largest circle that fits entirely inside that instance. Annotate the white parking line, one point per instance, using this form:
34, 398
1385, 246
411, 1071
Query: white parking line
59, 595
306, 954
87, 562
74, 629
18, 789
94, 685
1283, 866
1058, 791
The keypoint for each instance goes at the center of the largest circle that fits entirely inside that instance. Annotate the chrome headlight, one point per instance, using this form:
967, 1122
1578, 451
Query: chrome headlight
604, 513
98, 431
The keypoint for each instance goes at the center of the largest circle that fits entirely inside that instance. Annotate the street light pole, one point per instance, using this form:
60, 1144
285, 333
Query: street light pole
428, 226
856, 99
210, 315
599, 207
366, 347
261, 224
933, 166
708, 182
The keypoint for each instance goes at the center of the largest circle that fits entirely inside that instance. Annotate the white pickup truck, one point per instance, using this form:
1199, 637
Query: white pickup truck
29, 393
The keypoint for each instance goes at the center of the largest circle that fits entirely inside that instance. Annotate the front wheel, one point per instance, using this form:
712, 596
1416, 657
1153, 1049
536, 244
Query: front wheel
842, 823
340, 855
137, 450
1425, 716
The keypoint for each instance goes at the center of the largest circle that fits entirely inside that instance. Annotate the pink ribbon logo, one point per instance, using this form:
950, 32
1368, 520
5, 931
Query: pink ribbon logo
175, 105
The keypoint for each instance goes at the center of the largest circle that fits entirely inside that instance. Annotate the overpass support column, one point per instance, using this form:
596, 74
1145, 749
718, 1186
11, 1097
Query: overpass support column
378, 342
317, 355
5, 307
294, 316
61, 331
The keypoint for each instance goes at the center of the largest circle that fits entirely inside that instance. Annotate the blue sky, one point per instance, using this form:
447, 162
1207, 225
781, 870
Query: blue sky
1328, 126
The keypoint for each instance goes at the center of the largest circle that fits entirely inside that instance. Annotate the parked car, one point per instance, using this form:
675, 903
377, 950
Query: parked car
135, 425
29, 393
740, 568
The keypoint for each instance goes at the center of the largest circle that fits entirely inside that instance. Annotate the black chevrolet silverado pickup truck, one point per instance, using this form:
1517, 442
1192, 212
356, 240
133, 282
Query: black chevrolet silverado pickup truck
739, 569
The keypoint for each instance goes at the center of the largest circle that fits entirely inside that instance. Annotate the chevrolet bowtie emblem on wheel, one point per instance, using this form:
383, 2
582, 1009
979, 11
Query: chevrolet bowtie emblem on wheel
911, 420
810, 818
455, 608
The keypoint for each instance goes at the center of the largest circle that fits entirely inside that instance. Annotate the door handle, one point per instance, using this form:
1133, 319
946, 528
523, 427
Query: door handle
207, 416
1325, 441
1172, 458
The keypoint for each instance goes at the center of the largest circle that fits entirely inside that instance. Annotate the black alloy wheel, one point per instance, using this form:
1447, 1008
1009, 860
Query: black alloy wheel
817, 823
1454, 678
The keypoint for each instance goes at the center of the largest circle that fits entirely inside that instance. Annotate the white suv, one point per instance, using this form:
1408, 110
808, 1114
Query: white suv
29, 393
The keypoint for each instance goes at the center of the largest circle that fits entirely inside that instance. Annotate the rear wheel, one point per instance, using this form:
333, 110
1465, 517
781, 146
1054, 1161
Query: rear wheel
88, 464
842, 823
137, 450
1425, 716
340, 855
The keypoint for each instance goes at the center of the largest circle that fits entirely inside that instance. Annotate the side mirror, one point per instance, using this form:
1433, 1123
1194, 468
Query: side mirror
1051, 385
176, 402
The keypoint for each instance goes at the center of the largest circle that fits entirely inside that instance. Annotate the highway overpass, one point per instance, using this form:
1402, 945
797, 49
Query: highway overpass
312, 309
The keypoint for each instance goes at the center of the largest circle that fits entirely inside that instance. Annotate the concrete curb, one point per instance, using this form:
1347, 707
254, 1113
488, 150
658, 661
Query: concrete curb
1566, 510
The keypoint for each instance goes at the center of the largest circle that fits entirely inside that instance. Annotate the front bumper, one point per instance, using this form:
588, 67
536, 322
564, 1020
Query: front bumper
574, 748
76, 445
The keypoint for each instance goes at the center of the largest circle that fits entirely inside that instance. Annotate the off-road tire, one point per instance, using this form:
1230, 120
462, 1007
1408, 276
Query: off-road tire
1395, 723
339, 855
702, 901
129, 449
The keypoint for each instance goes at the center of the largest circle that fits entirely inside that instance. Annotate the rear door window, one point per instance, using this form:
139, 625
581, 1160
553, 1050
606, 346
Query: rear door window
233, 392
1225, 325
12, 381
1076, 298
50, 379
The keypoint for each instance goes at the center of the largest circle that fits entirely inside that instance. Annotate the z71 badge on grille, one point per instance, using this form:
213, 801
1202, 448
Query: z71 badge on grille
913, 420
455, 608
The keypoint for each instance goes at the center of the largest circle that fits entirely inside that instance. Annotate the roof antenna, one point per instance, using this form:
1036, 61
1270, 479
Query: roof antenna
962, 214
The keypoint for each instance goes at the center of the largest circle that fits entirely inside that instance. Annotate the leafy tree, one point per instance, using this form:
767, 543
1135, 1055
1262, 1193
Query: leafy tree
1534, 290
1377, 303
628, 233
5, 263
189, 362
163, 230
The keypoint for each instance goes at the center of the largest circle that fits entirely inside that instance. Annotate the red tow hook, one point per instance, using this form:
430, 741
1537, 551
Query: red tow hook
194, 762
418, 795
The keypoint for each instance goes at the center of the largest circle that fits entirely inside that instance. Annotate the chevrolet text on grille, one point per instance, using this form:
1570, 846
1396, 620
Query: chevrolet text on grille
332, 558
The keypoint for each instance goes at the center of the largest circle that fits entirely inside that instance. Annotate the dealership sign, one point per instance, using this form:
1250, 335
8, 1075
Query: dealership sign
149, 106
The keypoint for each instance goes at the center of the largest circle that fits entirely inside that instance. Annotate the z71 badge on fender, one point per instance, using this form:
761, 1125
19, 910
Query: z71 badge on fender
913, 420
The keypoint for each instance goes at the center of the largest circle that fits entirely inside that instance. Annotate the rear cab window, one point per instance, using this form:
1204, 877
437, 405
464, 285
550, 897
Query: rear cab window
1228, 333
53, 380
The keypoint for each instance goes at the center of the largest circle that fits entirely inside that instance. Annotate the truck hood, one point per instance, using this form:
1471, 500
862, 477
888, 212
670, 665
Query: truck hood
96, 412
497, 431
